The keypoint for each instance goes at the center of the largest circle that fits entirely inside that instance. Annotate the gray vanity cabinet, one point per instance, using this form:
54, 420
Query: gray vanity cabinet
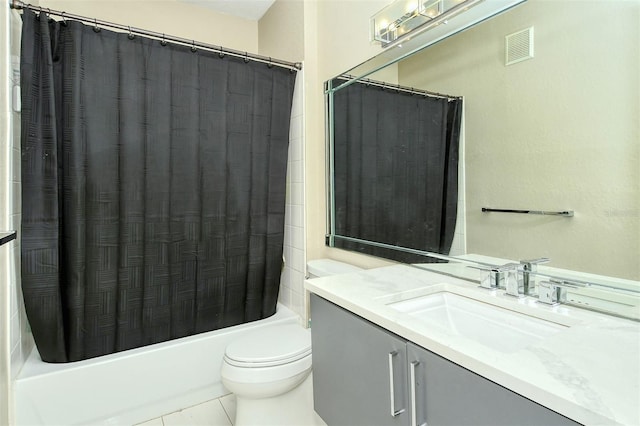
351, 376
360, 368
449, 395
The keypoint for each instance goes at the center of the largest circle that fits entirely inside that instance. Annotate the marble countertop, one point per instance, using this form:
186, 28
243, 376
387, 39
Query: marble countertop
589, 372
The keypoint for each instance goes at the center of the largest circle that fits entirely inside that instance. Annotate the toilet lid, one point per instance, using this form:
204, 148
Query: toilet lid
273, 345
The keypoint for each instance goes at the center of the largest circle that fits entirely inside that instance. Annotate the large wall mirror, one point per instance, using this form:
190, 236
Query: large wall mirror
558, 132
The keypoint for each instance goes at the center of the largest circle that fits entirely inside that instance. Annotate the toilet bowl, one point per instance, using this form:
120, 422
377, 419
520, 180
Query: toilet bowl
269, 371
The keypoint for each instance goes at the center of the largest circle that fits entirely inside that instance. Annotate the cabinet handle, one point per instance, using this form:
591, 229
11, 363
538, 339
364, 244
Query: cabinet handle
394, 412
414, 399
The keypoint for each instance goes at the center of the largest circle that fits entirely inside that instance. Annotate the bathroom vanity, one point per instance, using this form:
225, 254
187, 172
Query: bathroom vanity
400, 345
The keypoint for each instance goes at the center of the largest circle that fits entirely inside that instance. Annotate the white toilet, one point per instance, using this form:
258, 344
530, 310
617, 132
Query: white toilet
269, 370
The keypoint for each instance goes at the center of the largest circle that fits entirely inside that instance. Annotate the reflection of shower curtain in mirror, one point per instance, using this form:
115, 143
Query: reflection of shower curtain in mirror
396, 170
153, 189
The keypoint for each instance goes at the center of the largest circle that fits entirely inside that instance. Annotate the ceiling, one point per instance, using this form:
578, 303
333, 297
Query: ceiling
247, 9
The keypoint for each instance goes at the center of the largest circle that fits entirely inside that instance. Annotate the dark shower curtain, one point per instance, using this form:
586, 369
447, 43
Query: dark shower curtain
396, 170
153, 188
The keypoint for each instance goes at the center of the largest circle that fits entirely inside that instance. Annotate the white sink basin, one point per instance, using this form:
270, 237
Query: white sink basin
492, 326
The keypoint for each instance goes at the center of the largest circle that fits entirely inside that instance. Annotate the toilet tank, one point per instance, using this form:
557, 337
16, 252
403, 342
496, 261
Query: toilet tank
326, 267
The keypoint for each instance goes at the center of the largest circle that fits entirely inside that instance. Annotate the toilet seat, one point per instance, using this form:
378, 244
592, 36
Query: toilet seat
270, 347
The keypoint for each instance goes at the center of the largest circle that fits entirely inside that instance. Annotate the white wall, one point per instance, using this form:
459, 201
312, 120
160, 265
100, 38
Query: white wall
180, 19
338, 32
281, 31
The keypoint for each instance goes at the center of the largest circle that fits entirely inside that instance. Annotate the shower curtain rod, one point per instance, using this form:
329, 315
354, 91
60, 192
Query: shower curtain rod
221, 50
397, 87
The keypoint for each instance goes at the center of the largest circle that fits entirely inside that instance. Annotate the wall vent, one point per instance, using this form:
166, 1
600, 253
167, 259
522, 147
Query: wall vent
519, 46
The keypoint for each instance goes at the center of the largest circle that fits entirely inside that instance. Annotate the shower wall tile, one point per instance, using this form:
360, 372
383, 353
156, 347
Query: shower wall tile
296, 128
297, 237
297, 300
291, 284
21, 337
15, 171
297, 194
295, 148
14, 222
285, 295
13, 299
297, 262
297, 213
16, 198
297, 171
10, 325
4, 169
15, 332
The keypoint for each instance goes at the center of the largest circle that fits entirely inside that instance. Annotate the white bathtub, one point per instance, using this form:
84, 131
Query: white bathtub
131, 386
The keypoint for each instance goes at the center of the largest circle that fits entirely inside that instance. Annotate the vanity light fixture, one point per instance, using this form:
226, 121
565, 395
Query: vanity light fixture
403, 16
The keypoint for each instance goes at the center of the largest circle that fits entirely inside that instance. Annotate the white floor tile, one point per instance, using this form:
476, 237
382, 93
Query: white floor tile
209, 413
153, 422
229, 404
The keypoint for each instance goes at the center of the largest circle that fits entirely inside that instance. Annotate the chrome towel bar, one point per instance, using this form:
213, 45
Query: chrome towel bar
6, 236
566, 213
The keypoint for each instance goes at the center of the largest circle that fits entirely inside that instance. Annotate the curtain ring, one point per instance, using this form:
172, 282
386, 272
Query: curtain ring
221, 53
131, 36
246, 57
64, 20
193, 46
95, 25
163, 42
269, 65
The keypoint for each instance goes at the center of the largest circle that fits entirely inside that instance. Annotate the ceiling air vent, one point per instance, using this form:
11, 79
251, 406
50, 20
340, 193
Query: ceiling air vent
519, 46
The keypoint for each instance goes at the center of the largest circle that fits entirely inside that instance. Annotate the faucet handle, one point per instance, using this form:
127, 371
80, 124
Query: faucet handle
536, 261
494, 278
504, 276
532, 262
552, 292
486, 281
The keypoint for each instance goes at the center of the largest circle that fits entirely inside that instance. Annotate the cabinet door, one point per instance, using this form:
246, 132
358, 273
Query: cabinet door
352, 381
447, 394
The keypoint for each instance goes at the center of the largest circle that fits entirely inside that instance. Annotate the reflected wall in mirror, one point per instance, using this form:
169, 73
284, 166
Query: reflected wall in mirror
556, 132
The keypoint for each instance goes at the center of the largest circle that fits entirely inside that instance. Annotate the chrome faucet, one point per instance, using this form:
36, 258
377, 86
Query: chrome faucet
530, 267
512, 284
554, 291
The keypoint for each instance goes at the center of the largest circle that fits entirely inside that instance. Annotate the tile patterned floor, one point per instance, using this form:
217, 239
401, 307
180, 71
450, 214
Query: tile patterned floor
217, 412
